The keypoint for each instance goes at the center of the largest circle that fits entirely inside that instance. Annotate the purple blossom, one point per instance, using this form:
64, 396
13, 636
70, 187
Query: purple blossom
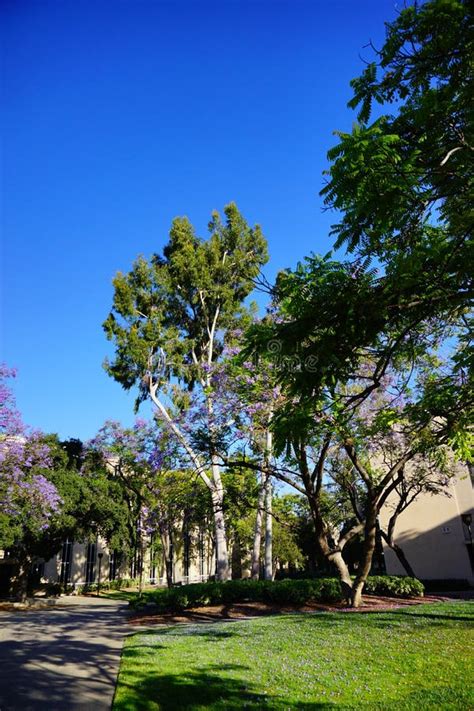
24, 494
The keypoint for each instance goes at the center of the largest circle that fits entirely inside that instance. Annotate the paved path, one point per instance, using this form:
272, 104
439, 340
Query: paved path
63, 659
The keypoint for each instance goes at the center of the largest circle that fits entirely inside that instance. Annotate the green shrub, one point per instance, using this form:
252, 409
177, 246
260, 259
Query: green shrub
49, 589
329, 590
280, 592
394, 585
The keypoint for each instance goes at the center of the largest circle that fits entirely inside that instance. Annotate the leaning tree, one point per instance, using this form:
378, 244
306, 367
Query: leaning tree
348, 386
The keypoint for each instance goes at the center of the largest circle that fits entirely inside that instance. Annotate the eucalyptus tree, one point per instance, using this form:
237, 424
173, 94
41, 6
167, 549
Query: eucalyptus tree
169, 321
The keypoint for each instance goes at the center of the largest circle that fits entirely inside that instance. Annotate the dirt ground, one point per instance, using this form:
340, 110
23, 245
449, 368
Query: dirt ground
371, 603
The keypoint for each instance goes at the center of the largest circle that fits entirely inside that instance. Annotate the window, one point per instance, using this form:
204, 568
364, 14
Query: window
90, 563
66, 559
114, 564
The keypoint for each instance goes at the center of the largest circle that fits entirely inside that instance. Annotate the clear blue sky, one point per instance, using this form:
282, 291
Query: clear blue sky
118, 116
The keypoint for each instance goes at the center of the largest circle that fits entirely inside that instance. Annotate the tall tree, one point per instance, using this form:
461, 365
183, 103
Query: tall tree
169, 320
403, 185
348, 387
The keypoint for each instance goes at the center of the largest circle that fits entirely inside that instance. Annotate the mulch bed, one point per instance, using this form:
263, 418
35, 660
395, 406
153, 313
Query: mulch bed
216, 613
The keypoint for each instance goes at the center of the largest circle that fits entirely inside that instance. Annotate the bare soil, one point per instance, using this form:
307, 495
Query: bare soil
215, 613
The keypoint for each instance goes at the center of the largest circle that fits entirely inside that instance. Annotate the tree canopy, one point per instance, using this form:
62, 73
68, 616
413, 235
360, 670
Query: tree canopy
377, 348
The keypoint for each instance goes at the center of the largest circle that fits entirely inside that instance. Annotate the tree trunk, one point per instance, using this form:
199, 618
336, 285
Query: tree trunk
399, 553
236, 558
335, 557
141, 556
19, 583
214, 483
169, 572
368, 548
332, 555
166, 541
403, 560
268, 572
257, 539
222, 555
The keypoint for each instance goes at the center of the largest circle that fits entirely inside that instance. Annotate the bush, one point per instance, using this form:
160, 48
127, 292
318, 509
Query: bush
49, 589
280, 592
394, 585
330, 590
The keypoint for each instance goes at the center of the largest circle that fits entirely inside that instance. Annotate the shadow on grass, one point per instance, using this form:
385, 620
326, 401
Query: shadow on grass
233, 686
205, 688
440, 619
211, 632
375, 618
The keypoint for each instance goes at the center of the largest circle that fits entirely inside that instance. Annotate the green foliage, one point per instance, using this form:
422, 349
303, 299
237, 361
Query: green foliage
394, 585
284, 592
117, 584
91, 502
404, 187
280, 592
286, 544
165, 309
390, 177
374, 355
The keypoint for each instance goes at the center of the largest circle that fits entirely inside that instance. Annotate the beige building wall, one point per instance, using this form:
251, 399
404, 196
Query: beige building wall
201, 566
432, 534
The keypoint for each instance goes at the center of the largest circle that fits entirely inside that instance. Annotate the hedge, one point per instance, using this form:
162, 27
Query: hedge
394, 585
281, 592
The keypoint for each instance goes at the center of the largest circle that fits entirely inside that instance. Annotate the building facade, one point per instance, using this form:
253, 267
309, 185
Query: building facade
78, 563
435, 532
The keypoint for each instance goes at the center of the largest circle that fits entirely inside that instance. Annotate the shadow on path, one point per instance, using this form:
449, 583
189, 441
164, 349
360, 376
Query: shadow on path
66, 658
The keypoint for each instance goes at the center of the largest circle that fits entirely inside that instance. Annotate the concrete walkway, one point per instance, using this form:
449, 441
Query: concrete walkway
62, 659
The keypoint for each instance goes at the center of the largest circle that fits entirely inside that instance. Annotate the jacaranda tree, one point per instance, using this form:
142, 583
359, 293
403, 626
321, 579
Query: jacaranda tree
27, 498
375, 350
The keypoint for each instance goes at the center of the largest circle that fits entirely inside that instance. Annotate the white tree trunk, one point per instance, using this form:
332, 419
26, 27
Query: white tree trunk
214, 484
257, 538
268, 572
222, 555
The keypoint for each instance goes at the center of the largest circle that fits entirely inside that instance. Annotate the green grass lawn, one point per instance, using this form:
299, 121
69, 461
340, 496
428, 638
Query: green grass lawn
412, 658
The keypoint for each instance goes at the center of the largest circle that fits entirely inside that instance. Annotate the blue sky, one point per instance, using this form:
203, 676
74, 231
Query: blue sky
117, 117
